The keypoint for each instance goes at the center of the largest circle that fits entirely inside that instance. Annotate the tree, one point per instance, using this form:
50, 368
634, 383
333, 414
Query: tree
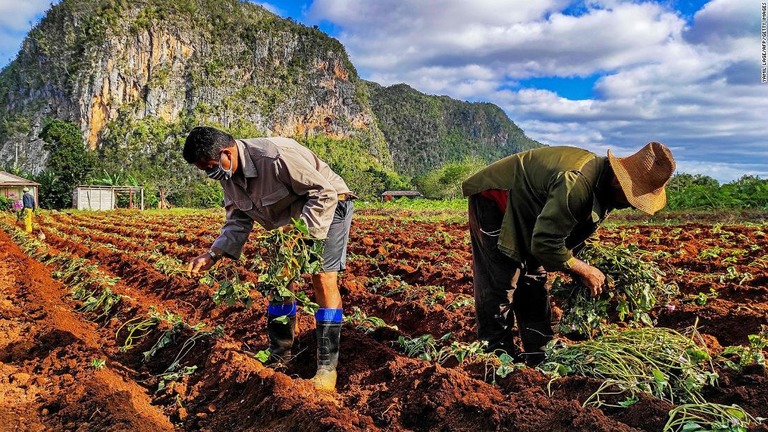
69, 163
749, 192
445, 182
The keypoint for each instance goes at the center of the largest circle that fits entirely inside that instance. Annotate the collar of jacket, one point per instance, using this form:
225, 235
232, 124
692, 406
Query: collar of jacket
601, 205
244, 156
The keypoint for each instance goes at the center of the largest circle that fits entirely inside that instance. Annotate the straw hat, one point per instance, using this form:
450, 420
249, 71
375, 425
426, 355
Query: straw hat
26, 189
643, 175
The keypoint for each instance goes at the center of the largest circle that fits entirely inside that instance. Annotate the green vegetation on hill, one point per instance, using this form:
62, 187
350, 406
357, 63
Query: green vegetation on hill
424, 132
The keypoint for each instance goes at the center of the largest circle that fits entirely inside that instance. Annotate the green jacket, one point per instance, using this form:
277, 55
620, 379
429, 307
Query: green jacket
556, 201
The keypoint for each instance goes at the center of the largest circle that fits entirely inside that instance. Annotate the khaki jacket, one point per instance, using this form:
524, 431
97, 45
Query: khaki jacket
278, 180
555, 201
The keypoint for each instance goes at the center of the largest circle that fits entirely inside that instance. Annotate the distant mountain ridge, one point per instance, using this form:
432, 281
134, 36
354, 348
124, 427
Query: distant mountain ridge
135, 76
424, 131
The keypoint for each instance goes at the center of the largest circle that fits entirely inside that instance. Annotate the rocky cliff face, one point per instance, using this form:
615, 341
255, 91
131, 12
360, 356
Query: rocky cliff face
225, 63
135, 76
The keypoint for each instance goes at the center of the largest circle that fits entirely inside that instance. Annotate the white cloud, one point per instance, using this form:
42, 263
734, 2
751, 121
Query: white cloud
720, 20
518, 39
694, 86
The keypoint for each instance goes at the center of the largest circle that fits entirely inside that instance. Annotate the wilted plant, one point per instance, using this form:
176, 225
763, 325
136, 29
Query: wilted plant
175, 375
177, 324
429, 295
424, 347
105, 301
708, 417
466, 351
168, 265
731, 274
365, 323
460, 301
138, 328
657, 361
702, 298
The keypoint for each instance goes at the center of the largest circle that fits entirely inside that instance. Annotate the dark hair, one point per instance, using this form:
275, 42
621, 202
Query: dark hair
205, 143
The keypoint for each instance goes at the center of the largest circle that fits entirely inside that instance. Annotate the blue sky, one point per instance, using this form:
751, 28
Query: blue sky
597, 74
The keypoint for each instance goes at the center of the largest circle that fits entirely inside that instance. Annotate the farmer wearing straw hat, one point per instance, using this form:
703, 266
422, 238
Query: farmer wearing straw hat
529, 211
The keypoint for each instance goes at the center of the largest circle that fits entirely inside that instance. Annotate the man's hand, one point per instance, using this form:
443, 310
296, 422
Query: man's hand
199, 264
590, 276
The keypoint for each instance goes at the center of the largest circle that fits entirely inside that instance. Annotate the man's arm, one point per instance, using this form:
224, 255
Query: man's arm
234, 233
569, 195
229, 243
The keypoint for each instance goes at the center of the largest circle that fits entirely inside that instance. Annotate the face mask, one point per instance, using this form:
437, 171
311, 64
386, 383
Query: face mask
219, 173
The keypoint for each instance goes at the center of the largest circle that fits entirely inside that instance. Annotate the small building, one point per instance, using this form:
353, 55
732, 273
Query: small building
94, 197
12, 186
390, 195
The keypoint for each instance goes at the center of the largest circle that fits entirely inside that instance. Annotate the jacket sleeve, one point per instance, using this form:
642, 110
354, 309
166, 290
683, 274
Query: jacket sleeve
305, 180
235, 231
569, 192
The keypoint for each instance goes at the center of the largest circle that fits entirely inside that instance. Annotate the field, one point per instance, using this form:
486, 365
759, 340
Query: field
100, 329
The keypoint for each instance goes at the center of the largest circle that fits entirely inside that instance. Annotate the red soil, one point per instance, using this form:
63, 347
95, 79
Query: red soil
46, 346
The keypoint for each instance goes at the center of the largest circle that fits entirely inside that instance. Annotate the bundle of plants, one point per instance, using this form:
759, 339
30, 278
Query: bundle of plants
657, 361
634, 288
286, 255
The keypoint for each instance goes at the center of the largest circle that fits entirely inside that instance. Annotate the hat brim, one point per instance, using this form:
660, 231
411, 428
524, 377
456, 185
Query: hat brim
650, 202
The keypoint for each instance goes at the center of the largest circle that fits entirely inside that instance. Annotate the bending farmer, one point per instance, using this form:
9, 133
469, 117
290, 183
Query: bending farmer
527, 213
271, 181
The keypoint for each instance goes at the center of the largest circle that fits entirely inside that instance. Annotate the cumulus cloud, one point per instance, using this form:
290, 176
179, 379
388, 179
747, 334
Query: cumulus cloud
693, 85
724, 19
15, 15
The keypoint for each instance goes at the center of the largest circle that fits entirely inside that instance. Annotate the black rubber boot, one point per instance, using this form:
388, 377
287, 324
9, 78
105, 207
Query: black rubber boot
328, 339
535, 336
281, 337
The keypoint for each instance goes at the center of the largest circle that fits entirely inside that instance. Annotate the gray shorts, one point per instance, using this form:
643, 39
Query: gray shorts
335, 252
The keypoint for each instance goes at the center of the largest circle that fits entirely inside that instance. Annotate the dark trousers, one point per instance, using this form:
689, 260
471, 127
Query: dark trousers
505, 288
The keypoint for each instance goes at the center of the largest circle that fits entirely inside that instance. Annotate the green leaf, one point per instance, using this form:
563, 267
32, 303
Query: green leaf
301, 225
506, 359
691, 426
262, 355
504, 370
629, 401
